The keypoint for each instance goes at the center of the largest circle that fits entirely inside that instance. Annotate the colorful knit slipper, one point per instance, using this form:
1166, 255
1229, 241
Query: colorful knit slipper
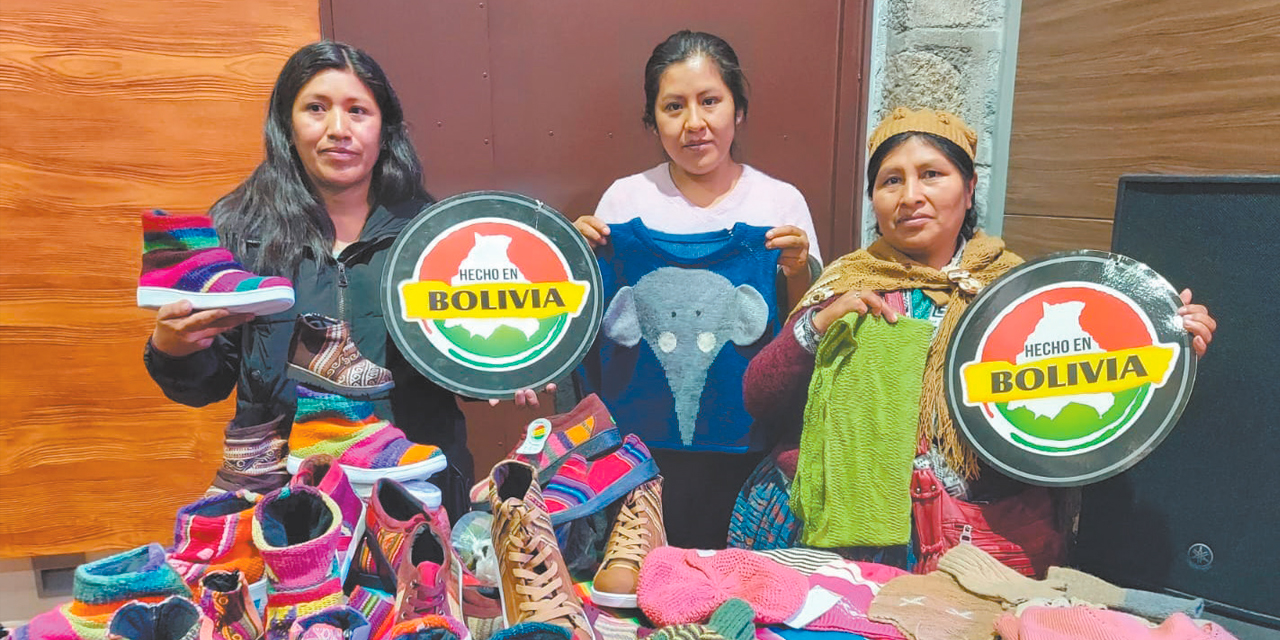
582, 488
588, 430
181, 260
322, 354
367, 448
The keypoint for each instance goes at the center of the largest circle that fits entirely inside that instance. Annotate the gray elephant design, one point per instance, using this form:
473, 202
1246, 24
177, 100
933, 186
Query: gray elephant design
686, 316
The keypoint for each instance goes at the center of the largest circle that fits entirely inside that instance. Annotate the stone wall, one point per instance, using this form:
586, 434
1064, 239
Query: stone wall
956, 55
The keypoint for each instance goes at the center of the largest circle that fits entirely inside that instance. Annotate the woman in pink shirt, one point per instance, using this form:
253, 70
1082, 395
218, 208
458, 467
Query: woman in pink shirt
695, 99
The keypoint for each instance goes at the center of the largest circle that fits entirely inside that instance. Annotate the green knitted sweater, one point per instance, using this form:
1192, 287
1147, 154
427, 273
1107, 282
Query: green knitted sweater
853, 479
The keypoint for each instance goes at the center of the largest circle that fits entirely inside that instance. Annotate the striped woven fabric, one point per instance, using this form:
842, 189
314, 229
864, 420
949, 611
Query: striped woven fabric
349, 431
762, 516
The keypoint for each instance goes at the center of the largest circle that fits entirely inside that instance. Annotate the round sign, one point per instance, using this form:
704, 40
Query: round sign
1070, 368
488, 292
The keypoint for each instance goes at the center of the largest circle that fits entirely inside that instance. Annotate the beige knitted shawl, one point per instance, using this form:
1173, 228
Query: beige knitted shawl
882, 268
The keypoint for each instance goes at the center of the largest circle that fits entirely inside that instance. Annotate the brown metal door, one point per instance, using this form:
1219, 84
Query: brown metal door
545, 98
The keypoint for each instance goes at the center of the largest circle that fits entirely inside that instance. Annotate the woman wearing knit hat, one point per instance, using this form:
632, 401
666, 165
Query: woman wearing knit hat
921, 181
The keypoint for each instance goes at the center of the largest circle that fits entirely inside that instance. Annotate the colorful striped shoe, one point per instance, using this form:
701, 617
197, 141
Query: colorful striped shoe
297, 530
582, 488
215, 534
587, 430
181, 260
366, 448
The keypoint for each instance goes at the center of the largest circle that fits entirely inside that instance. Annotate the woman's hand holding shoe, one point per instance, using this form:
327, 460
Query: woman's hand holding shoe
179, 332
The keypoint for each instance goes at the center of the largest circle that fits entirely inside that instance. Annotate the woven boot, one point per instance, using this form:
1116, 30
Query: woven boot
637, 530
323, 473
253, 458
535, 586
181, 260
217, 534
225, 600
297, 529
322, 354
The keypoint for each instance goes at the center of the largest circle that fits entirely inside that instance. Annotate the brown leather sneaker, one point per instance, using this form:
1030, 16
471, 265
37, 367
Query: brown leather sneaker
322, 354
535, 585
637, 530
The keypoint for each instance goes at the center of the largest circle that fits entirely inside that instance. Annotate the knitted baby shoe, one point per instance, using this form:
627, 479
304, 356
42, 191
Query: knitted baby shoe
225, 599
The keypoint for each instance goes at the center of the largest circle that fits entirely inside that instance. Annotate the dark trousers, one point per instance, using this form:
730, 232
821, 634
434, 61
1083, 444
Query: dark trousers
698, 492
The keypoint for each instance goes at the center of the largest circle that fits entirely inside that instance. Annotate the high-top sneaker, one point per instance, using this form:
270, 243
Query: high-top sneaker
100, 588
217, 534
587, 430
322, 354
176, 618
320, 471
429, 575
335, 623
297, 529
367, 448
583, 487
224, 599
181, 260
636, 531
535, 585
253, 458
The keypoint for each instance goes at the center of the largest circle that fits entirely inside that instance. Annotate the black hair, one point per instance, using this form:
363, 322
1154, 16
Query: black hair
682, 46
277, 205
961, 160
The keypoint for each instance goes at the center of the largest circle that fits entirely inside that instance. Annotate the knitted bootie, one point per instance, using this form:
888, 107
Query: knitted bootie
225, 600
320, 471
253, 458
217, 534
430, 628
297, 529
173, 619
637, 530
182, 261
335, 623
535, 586
367, 448
322, 354
102, 587
588, 430
583, 487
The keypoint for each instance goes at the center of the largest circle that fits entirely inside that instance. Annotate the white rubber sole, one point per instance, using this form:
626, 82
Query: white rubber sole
258, 302
367, 477
615, 600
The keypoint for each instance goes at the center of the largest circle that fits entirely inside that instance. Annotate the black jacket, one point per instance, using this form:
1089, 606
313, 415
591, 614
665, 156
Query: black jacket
253, 358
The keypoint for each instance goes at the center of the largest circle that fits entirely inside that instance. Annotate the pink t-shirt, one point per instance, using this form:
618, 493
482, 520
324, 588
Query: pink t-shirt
757, 200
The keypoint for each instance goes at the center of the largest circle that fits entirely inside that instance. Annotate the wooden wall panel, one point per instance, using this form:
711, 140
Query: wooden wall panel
107, 109
1108, 87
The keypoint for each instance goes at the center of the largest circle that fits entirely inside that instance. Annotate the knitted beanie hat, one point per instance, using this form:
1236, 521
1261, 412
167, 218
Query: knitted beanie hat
942, 123
681, 586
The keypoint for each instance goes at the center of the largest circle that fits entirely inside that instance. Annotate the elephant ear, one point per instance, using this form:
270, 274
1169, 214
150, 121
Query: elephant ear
751, 315
621, 323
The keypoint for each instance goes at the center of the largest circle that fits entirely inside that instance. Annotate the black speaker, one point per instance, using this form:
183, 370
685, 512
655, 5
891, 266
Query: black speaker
1201, 514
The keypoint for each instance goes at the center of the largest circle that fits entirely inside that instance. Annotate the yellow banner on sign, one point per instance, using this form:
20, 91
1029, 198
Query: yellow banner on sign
1109, 372
436, 300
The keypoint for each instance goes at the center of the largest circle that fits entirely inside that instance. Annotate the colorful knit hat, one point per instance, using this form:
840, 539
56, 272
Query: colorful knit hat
181, 260
682, 586
102, 587
942, 123
366, 447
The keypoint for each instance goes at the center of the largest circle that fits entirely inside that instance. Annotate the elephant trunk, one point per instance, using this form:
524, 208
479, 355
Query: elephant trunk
687, 390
